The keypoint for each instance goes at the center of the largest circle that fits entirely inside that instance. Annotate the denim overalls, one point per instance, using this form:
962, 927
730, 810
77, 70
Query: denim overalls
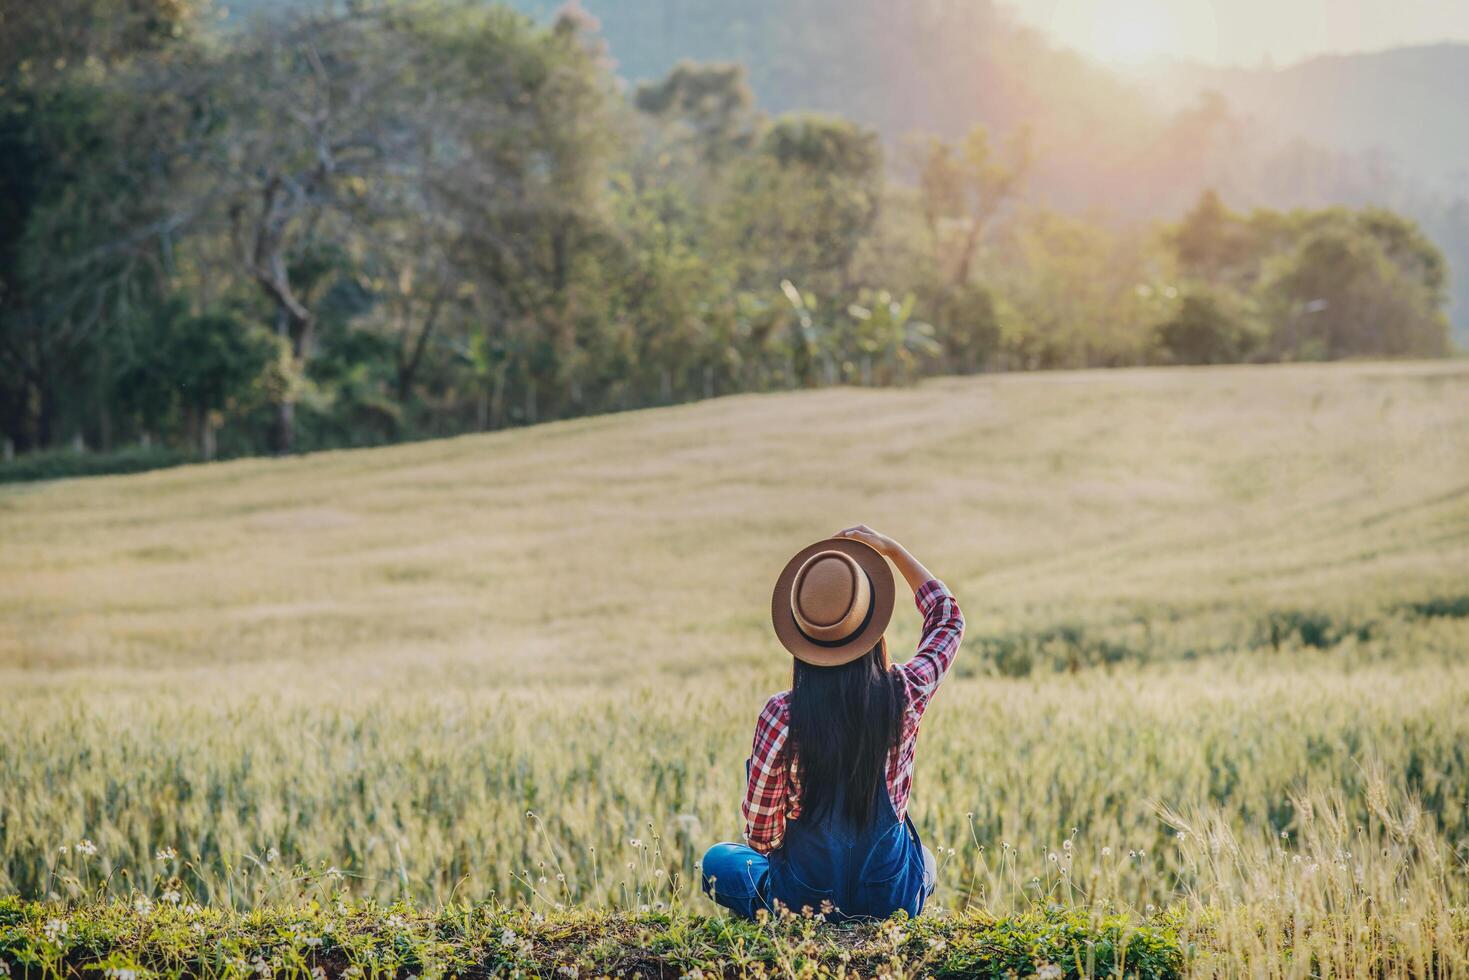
827, 865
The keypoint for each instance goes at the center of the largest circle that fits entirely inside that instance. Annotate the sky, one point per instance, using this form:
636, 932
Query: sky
1243, 32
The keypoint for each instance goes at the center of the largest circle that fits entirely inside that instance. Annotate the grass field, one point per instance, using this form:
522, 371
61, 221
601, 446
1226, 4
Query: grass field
1214, 676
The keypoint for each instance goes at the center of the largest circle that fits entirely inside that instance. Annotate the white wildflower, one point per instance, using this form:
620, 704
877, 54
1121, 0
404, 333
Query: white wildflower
121, 973
317, 973
166, 854
272, 855
56, 929
1048, 971
508, 937
172, 896
86, 847
333, 874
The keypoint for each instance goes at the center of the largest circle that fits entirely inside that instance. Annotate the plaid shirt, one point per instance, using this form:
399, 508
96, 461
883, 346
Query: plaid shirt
773, 794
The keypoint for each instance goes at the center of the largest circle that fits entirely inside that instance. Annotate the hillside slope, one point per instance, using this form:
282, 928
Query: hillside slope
1095, 496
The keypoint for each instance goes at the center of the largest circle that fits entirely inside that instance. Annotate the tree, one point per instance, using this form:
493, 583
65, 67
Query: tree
1209, 326
707, 108
44, 40
83, 238
800, 207
963, 190
1215, 244
85, 246
532, 139
182, 370
304, 132
1340, 294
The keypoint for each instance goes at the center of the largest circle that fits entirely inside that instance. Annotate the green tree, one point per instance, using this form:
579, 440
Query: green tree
1215, 244
1340, 294
1210, 326
707, 109
801, 205
182, 371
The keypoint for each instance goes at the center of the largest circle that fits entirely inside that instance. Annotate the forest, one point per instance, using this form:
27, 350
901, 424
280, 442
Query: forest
397, 220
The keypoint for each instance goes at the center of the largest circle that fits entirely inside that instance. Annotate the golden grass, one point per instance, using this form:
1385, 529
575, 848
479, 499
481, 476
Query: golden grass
380, 660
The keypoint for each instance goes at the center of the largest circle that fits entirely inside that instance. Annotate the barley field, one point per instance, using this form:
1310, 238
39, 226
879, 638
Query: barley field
1215, 672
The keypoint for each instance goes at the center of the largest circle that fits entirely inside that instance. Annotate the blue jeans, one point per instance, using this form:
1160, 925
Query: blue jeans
734, 875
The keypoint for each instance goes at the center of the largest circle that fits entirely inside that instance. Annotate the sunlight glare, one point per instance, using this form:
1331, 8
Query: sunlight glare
1132, 32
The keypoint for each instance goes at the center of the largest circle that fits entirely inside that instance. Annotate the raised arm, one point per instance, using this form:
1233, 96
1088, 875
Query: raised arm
943, 622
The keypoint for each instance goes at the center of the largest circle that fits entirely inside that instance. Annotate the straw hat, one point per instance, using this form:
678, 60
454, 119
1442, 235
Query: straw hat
832, 602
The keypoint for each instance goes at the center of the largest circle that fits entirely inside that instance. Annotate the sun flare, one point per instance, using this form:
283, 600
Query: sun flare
1133, 41
1132, 32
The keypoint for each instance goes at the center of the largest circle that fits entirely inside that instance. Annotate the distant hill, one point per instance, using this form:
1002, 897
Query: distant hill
1407, 103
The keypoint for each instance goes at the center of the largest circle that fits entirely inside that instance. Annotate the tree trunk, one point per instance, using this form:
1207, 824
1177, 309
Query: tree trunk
497, 397
283, 432
208, 445
45, 414
104, 407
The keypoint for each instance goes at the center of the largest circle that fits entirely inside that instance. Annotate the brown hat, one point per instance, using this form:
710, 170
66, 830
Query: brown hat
832, 602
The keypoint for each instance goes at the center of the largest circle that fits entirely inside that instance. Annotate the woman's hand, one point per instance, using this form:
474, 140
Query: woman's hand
912, 569
878, 542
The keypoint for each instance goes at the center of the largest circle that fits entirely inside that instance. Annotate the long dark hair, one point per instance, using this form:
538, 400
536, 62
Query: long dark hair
844, 721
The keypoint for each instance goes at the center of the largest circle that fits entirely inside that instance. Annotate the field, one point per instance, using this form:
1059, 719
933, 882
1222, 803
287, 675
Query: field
1214, 677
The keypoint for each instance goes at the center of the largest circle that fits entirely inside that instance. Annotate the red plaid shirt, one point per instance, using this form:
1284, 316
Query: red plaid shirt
773, 794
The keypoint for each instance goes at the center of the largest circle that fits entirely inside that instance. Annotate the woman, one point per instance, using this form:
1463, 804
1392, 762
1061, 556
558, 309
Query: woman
826, 802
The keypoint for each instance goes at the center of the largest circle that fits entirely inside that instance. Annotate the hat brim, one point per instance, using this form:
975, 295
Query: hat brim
803, 647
